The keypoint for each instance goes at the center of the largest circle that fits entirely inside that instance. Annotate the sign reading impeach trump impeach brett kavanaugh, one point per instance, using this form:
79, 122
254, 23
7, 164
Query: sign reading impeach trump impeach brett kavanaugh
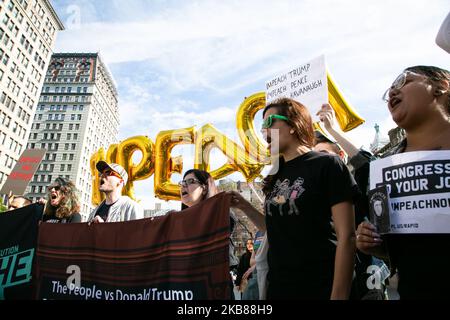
419, 190
306, 83
180, 256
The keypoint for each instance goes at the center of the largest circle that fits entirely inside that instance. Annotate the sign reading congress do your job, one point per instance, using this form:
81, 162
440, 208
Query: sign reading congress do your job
419, 190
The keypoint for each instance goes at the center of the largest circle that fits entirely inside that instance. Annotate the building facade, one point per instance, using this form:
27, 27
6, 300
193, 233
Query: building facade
77, 114
28, 31
245, 229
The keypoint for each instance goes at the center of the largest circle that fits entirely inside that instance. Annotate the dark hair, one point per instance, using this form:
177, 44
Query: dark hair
320, 138
69, 205
435, 74
300, 120
205, 180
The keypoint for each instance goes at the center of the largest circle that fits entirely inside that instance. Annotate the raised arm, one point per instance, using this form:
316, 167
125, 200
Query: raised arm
239, 202
328, 118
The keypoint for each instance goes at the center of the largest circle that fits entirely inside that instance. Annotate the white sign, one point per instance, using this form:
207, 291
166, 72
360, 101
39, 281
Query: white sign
419, 190
306, 84
443, 36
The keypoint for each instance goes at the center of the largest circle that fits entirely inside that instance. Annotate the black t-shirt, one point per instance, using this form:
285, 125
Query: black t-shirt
76, 217
423, 264
299, 225
103, 211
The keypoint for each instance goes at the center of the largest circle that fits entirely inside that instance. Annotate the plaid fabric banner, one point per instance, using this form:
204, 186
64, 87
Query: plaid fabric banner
180, 256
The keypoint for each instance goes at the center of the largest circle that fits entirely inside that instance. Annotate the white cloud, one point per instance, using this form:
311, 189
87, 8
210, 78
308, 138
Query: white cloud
187, 63
218, 45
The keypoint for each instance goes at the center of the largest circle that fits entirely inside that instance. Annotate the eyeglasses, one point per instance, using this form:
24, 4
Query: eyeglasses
57, 188
108, 173
188, 182
267, 123
398, 83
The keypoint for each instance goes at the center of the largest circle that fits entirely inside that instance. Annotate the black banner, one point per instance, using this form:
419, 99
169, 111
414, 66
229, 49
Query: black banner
18, 239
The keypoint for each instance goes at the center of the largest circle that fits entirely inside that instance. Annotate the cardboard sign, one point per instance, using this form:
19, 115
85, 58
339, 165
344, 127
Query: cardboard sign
23, 171
306, 83
419, 190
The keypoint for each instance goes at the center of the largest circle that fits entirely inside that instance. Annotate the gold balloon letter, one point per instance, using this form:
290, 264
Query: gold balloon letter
253, 145
97, 196
141, 171
346, 116
239, 160
166, 165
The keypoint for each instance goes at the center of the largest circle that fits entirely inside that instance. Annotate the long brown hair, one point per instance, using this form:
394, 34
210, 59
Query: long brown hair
69, 205
301, 122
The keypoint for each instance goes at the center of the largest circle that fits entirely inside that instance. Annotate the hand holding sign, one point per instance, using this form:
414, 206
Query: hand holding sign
367, 238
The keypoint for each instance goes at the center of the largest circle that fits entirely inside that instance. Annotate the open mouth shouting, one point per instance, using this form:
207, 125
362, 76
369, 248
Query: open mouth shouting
393, 102
54, 198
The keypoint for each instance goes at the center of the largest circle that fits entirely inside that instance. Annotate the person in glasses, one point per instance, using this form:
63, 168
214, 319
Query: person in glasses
115, 207
309, 214
419, 103
197, 186
62, 204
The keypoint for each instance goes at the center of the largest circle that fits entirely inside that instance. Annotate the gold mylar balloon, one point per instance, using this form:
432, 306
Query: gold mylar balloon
143, 169
346, 116
239, 160
97, 196
111, 154
165, 165
244, 124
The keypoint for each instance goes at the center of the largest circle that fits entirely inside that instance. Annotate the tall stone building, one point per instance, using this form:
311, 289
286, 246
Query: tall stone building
28, 31
77, 114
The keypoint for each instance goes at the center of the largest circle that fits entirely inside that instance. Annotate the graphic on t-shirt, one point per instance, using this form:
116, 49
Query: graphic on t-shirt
283, 193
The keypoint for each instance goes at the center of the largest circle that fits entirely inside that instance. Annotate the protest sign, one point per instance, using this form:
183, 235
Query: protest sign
23, 172
306, 83
419, 190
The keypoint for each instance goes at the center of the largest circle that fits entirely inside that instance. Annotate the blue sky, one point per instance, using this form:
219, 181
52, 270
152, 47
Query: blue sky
184, 63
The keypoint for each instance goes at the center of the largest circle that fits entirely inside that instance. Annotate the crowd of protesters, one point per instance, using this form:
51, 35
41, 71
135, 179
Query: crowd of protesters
315, 240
